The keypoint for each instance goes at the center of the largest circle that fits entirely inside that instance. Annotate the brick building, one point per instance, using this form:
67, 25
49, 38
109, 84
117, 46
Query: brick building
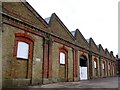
37, 51
118, 65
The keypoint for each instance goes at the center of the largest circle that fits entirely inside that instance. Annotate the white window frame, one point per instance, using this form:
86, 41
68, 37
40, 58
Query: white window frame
22, 50
62, 58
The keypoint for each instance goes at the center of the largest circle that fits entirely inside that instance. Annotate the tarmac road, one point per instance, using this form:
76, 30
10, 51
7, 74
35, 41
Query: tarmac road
110, 82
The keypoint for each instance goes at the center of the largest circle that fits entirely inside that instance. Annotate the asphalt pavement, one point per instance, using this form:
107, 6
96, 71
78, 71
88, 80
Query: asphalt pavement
109, 82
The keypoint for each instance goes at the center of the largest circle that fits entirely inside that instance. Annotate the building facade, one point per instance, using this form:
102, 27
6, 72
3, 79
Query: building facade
37, 51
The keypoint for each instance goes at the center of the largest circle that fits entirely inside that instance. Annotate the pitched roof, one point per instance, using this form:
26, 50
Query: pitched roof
101, 50
25, 12
93, 46
58, 28
112, 55
107, 53
80, 40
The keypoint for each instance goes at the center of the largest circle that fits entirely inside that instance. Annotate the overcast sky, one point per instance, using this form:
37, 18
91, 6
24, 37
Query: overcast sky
94, 18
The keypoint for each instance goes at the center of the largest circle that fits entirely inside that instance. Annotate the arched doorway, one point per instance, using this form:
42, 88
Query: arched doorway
83, 68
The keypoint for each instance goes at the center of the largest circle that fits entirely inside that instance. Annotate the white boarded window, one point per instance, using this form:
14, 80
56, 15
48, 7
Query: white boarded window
103, 66
22, 50
95, 64
62, 58
108, 66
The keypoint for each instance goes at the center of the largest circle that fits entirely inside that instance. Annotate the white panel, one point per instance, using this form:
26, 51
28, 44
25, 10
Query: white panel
83, 73
95, 64
103, 66
22, 51
62, 58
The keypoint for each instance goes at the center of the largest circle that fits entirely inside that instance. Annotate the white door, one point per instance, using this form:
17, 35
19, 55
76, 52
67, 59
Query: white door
83, 73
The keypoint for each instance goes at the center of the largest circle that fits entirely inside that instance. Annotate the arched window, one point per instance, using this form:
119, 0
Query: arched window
23, 47
22, 50
62, 58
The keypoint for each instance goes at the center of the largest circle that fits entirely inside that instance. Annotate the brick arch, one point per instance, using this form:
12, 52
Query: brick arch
96, 60
84, 56
25, 35
63, 48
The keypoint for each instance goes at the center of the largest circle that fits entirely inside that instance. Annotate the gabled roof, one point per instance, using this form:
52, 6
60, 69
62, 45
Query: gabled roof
80, 40
107, 53
93, 46
112, 55
101, 50
24, 12
58, 28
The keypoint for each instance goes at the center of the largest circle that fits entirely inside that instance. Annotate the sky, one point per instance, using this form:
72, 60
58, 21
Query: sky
94, 18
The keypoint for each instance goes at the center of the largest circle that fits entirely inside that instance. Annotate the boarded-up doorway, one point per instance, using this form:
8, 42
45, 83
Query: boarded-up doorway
83, 68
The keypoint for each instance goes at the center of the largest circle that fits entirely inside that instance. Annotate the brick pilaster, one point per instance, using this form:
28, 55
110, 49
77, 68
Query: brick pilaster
76, 63
45, 61
50, 59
